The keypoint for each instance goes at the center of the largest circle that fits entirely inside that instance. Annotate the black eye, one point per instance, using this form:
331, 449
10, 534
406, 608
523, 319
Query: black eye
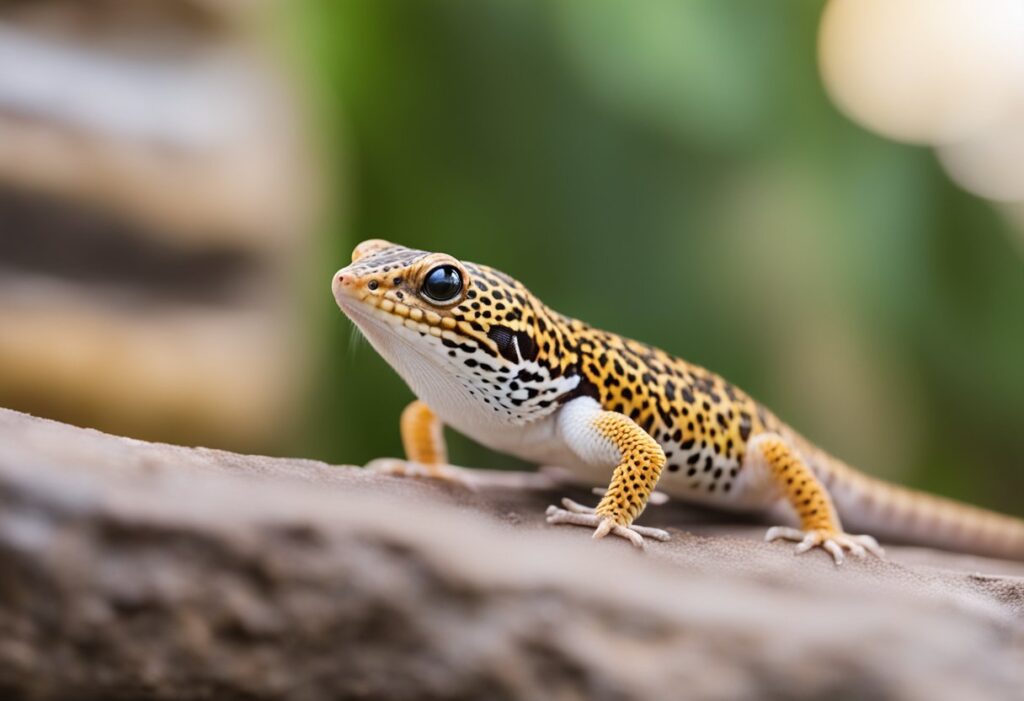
443, 283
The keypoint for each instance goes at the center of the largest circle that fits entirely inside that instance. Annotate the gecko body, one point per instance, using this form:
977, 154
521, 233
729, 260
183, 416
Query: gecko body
487, 358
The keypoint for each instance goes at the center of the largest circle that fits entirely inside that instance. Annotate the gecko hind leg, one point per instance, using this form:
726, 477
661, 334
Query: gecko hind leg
819, 523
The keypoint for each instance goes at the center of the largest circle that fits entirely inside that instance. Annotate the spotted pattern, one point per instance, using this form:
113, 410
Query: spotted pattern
637, 472
803, 491
523, 360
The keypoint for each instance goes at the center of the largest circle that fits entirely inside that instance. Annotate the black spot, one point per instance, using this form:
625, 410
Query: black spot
666, 415
585, 388
744, 425
673, 468
505, 339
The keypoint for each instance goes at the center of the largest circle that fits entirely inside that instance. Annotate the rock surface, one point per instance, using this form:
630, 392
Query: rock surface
137, 570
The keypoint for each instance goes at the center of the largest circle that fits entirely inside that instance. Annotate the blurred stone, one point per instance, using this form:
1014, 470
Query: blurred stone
990, 164
155, 210
924, 71
154, 571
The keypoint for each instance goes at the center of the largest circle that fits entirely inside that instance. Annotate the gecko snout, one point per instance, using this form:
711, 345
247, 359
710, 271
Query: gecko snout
342, 283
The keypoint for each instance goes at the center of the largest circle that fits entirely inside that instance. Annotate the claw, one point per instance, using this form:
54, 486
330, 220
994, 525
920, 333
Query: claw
833, 542
604, 528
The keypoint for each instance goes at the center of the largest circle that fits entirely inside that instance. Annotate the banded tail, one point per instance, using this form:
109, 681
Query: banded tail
899, 514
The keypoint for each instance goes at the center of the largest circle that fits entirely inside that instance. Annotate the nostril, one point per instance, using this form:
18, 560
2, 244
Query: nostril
342, 280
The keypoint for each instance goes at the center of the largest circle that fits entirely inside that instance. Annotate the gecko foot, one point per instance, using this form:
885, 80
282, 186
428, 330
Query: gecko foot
579, 515
834, 542
408, 468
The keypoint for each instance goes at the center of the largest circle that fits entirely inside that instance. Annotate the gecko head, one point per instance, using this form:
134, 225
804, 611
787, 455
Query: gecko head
402, 287
449, 327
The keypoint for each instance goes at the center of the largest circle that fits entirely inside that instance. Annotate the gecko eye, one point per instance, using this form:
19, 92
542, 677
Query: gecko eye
443, 283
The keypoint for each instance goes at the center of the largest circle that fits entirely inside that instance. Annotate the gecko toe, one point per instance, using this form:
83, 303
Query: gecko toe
871, 545
629, 534
834, 549
570, 505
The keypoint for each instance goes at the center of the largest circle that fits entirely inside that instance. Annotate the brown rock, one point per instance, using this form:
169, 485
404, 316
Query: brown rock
137, 570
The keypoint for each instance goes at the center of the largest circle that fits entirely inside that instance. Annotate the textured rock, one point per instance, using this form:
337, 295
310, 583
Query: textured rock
136, 570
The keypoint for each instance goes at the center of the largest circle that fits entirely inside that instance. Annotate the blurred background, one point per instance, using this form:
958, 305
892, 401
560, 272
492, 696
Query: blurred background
824, 202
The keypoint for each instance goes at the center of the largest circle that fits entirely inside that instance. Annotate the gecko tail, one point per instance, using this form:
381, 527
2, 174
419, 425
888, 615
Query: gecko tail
898, 514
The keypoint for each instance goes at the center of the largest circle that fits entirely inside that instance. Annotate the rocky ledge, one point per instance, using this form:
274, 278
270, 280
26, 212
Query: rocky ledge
137, 570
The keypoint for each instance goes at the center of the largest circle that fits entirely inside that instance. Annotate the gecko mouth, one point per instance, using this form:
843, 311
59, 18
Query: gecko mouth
391, 313
382, 327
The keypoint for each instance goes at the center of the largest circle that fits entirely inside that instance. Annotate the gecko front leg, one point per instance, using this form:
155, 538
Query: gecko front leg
425, 450
607, 438
819, 522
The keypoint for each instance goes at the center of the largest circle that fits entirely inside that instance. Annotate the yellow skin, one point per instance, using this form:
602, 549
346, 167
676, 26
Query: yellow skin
488, 358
